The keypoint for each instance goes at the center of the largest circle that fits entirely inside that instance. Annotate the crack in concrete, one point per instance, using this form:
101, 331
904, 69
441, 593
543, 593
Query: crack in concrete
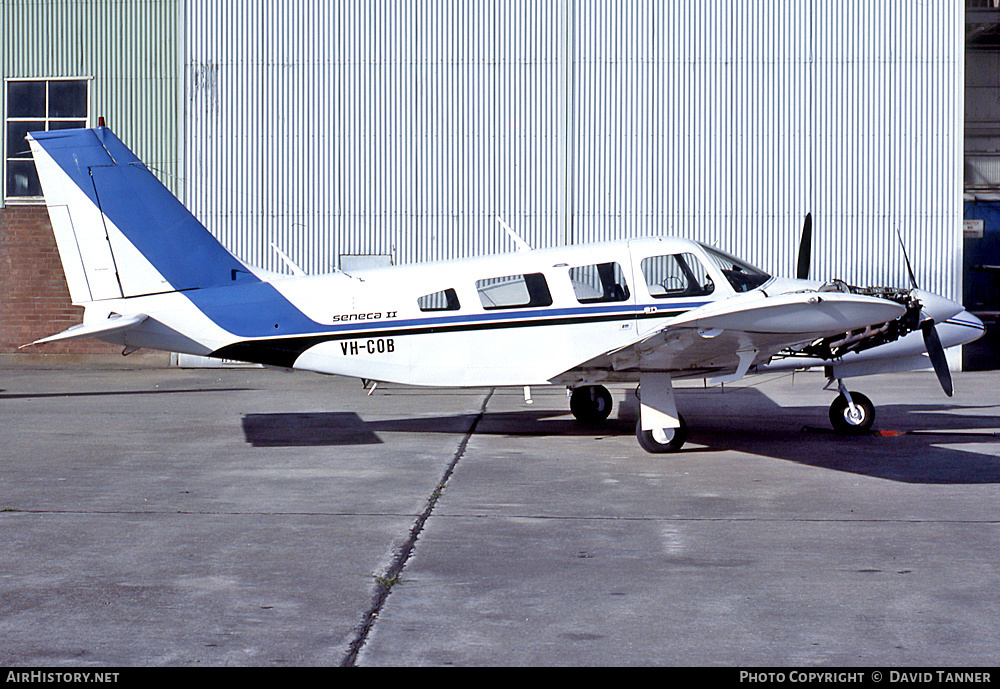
385, 581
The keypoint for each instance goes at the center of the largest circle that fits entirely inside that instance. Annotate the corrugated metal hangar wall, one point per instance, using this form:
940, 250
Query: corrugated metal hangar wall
404, 129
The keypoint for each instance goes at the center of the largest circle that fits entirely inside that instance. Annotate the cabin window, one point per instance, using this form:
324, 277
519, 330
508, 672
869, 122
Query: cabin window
445, 300
676, 275
38, 105
514, 291
601, 282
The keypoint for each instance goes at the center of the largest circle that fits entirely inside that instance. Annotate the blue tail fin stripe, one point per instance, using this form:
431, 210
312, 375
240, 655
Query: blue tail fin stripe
157, 224
183, 251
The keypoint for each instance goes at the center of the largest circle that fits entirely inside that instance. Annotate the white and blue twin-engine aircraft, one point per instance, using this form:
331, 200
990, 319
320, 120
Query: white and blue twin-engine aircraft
644, 311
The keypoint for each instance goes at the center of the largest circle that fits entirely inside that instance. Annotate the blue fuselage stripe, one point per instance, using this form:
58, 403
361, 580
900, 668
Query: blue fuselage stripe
239, 311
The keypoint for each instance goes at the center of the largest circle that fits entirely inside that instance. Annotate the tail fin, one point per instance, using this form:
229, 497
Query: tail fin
120, 232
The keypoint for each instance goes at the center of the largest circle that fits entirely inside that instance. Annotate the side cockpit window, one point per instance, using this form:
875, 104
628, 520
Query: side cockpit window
740, 274
514, 291
445, 300
601, 282
676, 275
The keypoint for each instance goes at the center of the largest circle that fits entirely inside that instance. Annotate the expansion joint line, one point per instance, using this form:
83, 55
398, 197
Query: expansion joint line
385, 581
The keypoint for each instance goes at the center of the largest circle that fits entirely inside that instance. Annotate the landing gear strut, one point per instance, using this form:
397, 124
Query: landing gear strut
590, 404
661, 428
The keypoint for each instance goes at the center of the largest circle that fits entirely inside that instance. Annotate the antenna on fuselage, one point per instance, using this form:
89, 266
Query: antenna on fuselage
521, 244
292, 266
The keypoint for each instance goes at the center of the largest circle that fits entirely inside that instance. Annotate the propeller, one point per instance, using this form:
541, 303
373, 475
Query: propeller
909, 268
805, 249
932, 343
936, 352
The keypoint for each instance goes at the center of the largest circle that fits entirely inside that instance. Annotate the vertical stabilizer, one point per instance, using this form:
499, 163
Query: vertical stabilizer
120, 232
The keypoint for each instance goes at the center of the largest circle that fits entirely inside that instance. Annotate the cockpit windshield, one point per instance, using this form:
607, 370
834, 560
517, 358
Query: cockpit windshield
740, 274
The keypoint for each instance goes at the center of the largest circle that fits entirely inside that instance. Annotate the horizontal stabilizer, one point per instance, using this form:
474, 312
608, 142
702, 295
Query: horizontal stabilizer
114, 324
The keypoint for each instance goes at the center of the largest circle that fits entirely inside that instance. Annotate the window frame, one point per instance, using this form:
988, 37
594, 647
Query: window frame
607, 283
679, 261
739, 274
535, 284
46, 120
427, 302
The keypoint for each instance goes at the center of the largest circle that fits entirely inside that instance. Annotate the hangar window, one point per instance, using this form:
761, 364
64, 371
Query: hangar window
514, 291
445, 300
600, 282
34, 105
676, 275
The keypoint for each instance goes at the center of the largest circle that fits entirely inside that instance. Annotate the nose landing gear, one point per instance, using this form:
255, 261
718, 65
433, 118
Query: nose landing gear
851, 413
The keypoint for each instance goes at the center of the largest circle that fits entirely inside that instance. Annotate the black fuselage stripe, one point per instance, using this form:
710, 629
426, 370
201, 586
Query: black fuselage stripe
284, 351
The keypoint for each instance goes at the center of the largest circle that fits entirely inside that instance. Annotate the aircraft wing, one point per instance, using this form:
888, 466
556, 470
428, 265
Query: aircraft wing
727, 337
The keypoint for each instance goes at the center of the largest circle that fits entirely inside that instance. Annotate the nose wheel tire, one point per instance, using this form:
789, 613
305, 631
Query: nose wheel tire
662, 440
590, 404
852, 422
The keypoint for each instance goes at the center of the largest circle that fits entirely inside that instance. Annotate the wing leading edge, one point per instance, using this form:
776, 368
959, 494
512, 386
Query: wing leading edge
726, 338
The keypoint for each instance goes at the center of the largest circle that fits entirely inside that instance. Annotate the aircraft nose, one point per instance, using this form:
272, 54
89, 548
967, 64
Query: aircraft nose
939, 308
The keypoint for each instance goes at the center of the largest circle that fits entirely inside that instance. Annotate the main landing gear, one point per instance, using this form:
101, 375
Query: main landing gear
590, 404
660, 440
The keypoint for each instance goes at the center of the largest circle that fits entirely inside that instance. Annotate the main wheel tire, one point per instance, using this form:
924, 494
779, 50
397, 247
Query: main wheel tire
847, 422
591, 404
662, 440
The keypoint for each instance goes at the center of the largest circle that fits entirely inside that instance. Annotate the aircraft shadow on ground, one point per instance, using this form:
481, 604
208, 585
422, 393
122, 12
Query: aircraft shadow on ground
312, 429
113, 393
912, 452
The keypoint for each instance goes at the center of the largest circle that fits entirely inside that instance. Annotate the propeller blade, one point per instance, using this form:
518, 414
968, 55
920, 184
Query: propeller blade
909, 268
805, 249
933, 344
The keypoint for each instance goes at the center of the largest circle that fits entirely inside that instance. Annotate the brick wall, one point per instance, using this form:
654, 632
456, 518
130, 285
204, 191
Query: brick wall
34, 298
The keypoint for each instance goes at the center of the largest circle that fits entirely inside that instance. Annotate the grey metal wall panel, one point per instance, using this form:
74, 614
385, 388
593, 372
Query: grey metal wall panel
887, 138
728, 123
130, 49
405, 128
367, 127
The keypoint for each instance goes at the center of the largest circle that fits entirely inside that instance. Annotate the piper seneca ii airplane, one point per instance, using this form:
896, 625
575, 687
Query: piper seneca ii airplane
640, 310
